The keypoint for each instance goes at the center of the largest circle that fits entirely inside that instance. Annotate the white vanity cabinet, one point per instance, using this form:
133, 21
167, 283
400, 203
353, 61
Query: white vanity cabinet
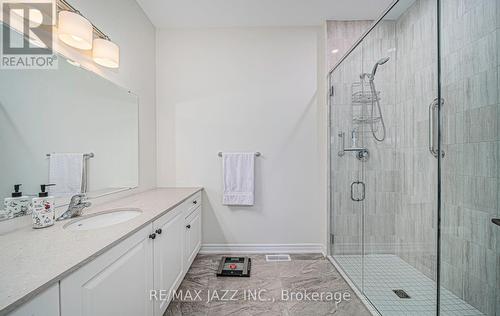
156, 258
173, 241
117, 282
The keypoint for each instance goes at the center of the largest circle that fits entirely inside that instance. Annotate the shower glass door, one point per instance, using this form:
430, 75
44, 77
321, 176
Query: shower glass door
346, 172
415, 218
401, 210
385, 102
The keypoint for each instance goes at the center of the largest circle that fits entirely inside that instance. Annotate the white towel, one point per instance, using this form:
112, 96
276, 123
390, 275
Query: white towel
239, 178
66, 172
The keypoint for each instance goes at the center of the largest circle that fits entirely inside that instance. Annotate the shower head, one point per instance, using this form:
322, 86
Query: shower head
379, 62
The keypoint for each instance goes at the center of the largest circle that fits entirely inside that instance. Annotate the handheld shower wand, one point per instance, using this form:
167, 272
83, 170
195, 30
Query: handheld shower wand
375, 99
378, 63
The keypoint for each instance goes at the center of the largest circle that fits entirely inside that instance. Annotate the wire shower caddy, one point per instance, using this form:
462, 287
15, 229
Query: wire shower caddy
362, 98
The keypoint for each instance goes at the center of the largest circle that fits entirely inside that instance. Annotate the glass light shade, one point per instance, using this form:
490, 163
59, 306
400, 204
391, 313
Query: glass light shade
106, 53
75, 30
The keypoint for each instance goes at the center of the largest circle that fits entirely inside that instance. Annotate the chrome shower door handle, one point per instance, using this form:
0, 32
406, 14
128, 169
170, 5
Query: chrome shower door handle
433, 137
358, 183
431, 128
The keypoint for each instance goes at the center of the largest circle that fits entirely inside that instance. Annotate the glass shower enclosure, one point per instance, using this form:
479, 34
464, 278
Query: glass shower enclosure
414, 152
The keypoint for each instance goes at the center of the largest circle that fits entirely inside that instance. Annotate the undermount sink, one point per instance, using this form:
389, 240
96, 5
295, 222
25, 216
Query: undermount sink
103, 219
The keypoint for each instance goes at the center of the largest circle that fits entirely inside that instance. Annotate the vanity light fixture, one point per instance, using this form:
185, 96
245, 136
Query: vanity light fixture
106, 53
75, 30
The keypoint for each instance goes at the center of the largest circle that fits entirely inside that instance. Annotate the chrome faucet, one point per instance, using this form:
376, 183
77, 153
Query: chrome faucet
75, 207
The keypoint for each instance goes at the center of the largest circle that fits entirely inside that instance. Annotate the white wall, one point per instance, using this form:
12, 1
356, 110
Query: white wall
248, 89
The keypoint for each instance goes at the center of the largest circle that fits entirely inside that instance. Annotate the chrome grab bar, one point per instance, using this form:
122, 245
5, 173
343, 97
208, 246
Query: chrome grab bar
432, 107
433, 137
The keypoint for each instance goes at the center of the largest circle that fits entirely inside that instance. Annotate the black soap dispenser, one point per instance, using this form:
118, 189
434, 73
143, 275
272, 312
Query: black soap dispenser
16, 205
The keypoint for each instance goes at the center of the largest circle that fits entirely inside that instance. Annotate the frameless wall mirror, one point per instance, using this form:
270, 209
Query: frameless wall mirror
64, 113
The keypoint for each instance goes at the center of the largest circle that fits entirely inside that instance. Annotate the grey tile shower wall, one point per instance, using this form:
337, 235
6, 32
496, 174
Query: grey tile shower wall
416, 87
341, 35
470, 85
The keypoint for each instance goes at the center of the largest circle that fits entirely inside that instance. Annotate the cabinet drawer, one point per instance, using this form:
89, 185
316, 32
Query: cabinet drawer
194, 202
192, 213
186, 207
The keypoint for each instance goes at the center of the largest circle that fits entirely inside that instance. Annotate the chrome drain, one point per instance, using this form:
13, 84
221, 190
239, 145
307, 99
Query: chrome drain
401, 293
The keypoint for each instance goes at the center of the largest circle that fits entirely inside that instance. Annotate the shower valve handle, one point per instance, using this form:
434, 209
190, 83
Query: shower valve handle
361, 152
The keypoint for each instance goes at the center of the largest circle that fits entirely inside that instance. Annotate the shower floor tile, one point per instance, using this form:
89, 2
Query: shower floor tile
385, 273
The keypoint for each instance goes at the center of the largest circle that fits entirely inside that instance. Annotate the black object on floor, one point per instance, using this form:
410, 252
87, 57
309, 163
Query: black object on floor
234, 267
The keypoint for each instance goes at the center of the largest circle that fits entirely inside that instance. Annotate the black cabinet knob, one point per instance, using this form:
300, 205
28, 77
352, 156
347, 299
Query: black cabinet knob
158, 231
195, 202
496, 221
152, 236
188, 226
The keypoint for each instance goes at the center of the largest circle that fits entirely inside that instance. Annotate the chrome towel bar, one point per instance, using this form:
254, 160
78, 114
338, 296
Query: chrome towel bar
257, 154
86, 156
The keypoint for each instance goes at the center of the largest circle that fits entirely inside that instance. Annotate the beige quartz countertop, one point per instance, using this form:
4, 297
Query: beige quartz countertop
33, 259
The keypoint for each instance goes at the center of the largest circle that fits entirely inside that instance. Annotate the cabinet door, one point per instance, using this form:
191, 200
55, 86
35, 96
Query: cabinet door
168, 257
117, 282
192, 236
44, 304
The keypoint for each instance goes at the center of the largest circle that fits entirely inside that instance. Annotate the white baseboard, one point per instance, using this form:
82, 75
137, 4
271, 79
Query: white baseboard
261, 248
